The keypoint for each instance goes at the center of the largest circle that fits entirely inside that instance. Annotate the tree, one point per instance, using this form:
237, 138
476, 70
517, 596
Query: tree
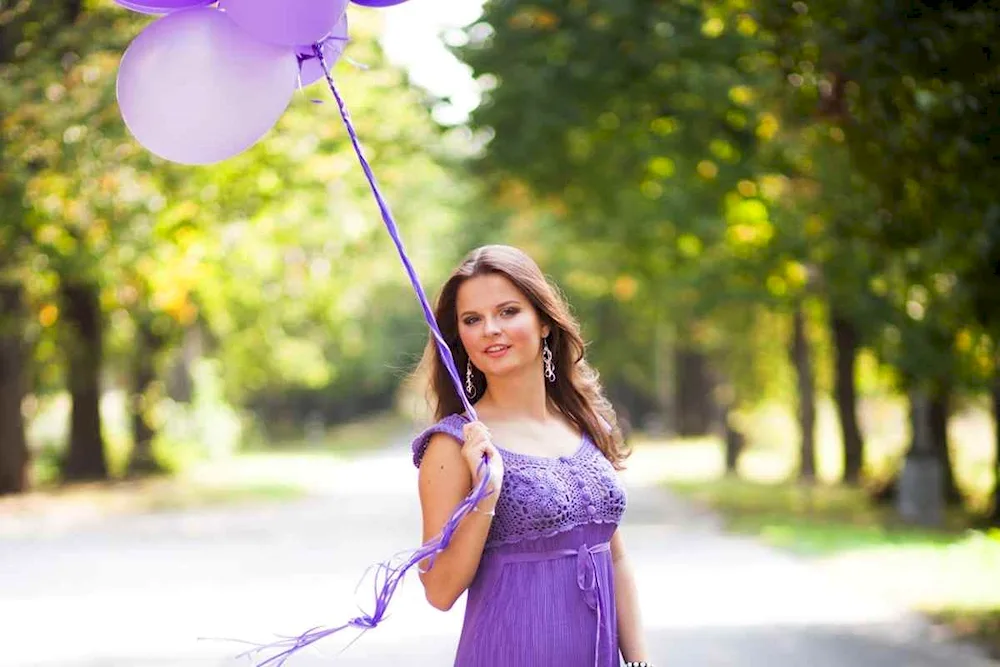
18, 41
13, 446
765, 141
909, 87
655, 96
275, 251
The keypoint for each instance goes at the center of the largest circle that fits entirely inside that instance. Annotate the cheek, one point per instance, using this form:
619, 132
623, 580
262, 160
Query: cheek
524, 331
465, 336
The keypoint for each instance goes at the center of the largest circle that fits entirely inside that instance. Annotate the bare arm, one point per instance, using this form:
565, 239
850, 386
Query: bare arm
631, 639
444, 481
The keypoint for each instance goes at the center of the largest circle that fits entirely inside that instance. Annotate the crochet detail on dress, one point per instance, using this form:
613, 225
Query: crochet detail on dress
542, 496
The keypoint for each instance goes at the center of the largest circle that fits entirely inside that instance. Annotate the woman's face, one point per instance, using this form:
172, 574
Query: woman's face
498, 326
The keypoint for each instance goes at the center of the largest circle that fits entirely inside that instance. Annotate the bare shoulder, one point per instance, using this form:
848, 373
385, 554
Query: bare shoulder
443, 481
443, 455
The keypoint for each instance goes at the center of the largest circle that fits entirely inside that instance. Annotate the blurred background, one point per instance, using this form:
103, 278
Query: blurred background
777, 222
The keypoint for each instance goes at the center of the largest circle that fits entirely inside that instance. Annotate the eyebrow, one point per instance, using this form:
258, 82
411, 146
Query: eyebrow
513, 302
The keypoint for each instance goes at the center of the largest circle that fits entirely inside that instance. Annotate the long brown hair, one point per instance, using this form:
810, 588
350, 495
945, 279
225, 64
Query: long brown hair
576, 391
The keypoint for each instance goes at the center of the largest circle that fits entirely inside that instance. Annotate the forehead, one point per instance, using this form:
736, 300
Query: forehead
486, 292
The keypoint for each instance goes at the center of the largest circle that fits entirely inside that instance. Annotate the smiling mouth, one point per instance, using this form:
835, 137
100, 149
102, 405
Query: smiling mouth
495, 349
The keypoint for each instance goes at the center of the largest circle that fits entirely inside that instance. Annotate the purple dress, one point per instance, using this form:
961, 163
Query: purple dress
544, 593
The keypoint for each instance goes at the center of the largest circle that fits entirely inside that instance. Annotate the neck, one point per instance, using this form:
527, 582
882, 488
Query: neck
517, 396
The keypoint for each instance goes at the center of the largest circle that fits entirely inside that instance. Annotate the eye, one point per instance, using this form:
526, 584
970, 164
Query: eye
470, 320
510, 311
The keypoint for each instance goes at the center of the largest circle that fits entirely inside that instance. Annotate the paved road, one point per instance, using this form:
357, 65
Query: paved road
140, 591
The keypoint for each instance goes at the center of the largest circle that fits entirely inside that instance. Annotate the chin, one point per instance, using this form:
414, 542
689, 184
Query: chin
502, 367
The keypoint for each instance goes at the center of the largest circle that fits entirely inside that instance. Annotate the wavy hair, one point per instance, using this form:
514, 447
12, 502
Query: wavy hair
576, 392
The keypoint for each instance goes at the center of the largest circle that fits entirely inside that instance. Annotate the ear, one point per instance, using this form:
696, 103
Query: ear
546, 330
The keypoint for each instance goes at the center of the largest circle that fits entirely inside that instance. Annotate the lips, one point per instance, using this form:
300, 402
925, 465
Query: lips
496, 350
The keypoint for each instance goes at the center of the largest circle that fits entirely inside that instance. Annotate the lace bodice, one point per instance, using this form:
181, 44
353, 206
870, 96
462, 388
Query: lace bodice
542, 496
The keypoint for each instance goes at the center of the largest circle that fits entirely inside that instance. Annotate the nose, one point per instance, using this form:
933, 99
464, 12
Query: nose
492, 328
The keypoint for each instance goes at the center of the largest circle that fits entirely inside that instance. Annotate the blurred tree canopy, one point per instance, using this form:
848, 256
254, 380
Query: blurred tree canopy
755, 172
745, 201
112, 259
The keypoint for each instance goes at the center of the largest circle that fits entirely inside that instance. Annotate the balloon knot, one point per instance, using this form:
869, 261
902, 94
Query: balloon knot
364, 622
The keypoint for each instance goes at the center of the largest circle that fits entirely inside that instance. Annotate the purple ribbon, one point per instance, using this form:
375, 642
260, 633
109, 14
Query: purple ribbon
390, 225
586, 580
388, 575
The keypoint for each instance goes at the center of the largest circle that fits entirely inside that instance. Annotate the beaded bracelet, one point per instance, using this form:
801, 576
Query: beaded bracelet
638, 664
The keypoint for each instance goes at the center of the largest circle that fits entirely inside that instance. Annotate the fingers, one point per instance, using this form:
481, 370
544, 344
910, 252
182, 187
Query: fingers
478, 444
485, 449
484, 459
490, 450
476, 451
477, 437
475, 432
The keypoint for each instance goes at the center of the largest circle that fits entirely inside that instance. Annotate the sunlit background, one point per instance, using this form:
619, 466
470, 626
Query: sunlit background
776, 222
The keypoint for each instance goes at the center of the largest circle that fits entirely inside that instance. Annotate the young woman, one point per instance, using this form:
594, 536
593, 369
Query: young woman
548, 578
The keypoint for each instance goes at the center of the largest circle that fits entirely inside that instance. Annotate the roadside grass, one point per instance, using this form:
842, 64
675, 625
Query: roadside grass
285, 470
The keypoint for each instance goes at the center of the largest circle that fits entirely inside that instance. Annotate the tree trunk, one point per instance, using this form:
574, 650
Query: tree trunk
179, 376
933, 446
147, 345
85, 459
938, 412
806, 394
995, 514
695, 408
919, 487
734, 442
14, 456
845, 340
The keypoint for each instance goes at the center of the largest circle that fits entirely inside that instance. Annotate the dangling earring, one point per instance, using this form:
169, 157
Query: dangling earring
550, 365
470, 388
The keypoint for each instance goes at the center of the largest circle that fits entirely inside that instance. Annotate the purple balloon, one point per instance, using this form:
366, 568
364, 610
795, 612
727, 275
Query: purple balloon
162, 6
378, 3
195, 89
310, 70
286, 22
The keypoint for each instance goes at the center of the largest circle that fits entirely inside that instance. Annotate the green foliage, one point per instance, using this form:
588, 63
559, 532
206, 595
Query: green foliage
733, 158
907, 87
689, 172
636, 130
278, 255
279, 251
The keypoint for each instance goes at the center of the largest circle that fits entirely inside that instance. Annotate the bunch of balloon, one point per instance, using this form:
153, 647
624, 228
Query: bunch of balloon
208, 79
